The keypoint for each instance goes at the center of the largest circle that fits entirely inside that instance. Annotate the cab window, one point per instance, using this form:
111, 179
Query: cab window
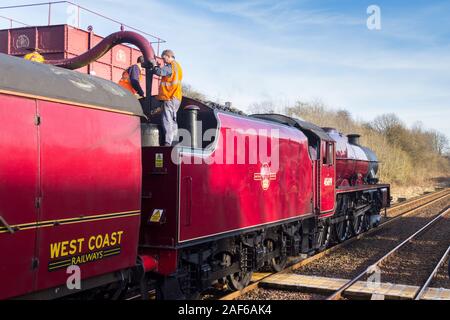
328, 155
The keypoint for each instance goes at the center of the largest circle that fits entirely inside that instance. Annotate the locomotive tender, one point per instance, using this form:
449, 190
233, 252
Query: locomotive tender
79, 187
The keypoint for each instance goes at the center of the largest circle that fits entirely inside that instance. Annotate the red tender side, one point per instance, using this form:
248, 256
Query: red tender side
71, 193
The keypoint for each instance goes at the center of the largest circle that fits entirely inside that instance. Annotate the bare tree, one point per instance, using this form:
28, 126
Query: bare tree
386, 123
440, 142
267, 106
190, 92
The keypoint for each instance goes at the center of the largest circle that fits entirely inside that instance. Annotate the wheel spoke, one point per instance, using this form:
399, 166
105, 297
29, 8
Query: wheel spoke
239, 280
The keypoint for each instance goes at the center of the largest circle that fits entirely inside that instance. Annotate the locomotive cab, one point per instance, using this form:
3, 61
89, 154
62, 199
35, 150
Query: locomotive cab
321, 149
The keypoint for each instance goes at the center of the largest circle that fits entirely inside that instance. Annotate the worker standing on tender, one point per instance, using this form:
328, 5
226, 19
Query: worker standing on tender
131, 78
34, 56
170, 93
125, 83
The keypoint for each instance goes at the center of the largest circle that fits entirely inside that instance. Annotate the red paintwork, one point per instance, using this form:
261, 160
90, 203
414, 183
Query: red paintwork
149, 263
80, 167
327, 183
64, 41
351, 161
18, 190
159, 191
231, 197
217, 199
167, 260
86, 162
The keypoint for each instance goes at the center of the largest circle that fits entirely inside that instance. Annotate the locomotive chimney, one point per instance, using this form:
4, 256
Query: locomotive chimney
353, 138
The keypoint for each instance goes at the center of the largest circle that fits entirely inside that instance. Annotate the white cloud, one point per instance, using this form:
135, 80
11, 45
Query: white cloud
258, 50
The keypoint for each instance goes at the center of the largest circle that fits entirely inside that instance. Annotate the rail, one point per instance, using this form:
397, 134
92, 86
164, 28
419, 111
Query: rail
432, 275
338, 294
415, 200
421, 203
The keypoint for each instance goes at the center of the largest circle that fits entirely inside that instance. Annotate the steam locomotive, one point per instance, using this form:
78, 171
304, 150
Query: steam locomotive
83, 182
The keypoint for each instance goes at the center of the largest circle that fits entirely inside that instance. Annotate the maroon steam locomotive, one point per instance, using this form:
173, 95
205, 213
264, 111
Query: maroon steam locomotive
81, 186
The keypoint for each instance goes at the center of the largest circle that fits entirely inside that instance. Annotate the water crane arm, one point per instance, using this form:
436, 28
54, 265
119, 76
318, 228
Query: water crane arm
104, 46
107, 44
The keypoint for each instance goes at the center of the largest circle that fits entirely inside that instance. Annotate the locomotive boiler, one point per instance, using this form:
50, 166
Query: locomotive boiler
81, 187
355, 164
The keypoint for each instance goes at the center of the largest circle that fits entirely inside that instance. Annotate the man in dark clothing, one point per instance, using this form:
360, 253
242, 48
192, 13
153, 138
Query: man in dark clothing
135, 72
134, 78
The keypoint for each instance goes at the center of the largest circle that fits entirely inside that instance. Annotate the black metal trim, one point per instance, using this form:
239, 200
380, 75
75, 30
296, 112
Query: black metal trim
63, 291
189, 243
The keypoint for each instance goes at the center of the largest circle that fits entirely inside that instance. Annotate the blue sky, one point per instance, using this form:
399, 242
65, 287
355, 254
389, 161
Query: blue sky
252, 51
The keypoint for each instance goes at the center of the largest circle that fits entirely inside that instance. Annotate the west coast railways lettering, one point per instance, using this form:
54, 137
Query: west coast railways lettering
83, 250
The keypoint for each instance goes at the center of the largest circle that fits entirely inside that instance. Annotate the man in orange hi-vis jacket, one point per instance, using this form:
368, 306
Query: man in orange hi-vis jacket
170, 93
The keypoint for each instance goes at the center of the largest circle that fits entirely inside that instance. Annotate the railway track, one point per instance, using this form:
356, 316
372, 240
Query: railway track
400, 256
395, 212
413, 263
439, 267
441, 276
415, 202
393, 218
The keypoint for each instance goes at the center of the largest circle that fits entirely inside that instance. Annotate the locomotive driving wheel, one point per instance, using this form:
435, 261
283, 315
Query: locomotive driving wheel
358, 224
276, 263
341, 226
341, 230
324, 236
239, 280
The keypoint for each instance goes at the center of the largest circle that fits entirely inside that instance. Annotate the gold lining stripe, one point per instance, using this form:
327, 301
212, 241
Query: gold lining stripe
68, 262
112, 250
59, 262
94, 216
59, 267
73, 103
79, 218
51, 223
111, 254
